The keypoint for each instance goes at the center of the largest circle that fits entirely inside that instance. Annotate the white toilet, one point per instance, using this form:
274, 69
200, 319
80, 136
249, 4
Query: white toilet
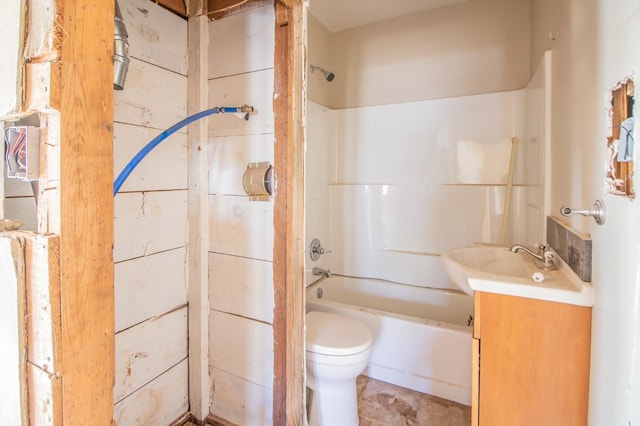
338, 350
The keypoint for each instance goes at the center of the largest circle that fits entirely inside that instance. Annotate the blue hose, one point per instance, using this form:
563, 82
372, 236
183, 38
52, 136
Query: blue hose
124, 174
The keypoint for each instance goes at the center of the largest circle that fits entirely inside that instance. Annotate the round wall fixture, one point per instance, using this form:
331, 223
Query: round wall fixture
258, 181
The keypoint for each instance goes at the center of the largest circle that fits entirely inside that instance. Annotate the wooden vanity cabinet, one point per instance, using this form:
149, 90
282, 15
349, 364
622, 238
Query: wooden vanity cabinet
531, 362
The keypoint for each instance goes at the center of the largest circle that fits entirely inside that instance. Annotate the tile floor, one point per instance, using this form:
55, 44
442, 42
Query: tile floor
383, 404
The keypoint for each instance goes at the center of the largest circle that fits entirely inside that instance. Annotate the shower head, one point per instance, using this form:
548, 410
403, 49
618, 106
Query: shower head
328, 75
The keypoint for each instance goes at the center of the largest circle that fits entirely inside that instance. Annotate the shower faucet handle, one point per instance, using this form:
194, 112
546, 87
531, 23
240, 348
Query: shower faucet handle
316, 250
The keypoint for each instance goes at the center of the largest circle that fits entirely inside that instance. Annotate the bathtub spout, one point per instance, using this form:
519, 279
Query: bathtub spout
324, 272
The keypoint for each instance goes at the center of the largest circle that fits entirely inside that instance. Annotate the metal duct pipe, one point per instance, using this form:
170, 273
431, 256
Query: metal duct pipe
120, 51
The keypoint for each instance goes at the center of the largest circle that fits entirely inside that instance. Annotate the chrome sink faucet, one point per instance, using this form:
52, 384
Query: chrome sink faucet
320, 271
544, 255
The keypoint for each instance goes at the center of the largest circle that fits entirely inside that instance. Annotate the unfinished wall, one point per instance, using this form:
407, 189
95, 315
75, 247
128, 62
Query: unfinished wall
594, 46
241, 52
151, 384
19, 203
480, 46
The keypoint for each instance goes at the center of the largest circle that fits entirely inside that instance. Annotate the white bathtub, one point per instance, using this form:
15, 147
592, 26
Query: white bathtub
421, 337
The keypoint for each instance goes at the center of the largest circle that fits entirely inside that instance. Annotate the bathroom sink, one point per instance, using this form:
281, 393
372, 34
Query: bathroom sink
496, 269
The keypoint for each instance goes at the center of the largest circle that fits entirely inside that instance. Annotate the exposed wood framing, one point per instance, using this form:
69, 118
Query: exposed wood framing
42, 256
176, 6
217, 9
41, 54
198, 231
86, 210
37, 281
195, 8
288, 322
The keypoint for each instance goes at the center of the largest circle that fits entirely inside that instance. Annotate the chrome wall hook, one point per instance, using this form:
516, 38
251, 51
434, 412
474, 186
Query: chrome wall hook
598, 213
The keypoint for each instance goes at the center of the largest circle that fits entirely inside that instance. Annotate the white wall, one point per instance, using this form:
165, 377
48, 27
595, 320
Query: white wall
10, 37
480, 46
151, 384
594, 47
320, 54
241, 52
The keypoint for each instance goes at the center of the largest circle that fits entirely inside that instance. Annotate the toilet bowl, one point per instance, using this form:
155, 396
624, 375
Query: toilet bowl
338, 350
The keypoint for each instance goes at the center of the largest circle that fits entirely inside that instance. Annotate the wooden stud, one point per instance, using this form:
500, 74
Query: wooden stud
86, 210
217, 9
42, 256
198, 231
288, 254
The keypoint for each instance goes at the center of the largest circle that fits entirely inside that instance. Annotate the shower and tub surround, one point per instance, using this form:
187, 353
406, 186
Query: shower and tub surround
388, 210
422, 338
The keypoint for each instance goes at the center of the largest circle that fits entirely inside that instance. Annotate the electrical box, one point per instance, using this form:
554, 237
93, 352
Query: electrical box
22, 153
22, 149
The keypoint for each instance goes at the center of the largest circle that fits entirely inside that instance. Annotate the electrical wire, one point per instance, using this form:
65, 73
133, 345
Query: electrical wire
124, 174
18, 151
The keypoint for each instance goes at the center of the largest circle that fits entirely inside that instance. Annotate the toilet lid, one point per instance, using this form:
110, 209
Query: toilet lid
337, 335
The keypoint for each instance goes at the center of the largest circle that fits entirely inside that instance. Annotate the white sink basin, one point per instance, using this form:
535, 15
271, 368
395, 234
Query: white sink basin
497, 270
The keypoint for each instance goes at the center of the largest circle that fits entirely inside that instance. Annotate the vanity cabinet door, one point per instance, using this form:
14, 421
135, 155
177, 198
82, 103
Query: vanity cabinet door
534, 362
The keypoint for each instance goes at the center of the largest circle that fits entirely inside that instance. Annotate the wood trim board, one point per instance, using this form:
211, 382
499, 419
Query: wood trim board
198, 231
